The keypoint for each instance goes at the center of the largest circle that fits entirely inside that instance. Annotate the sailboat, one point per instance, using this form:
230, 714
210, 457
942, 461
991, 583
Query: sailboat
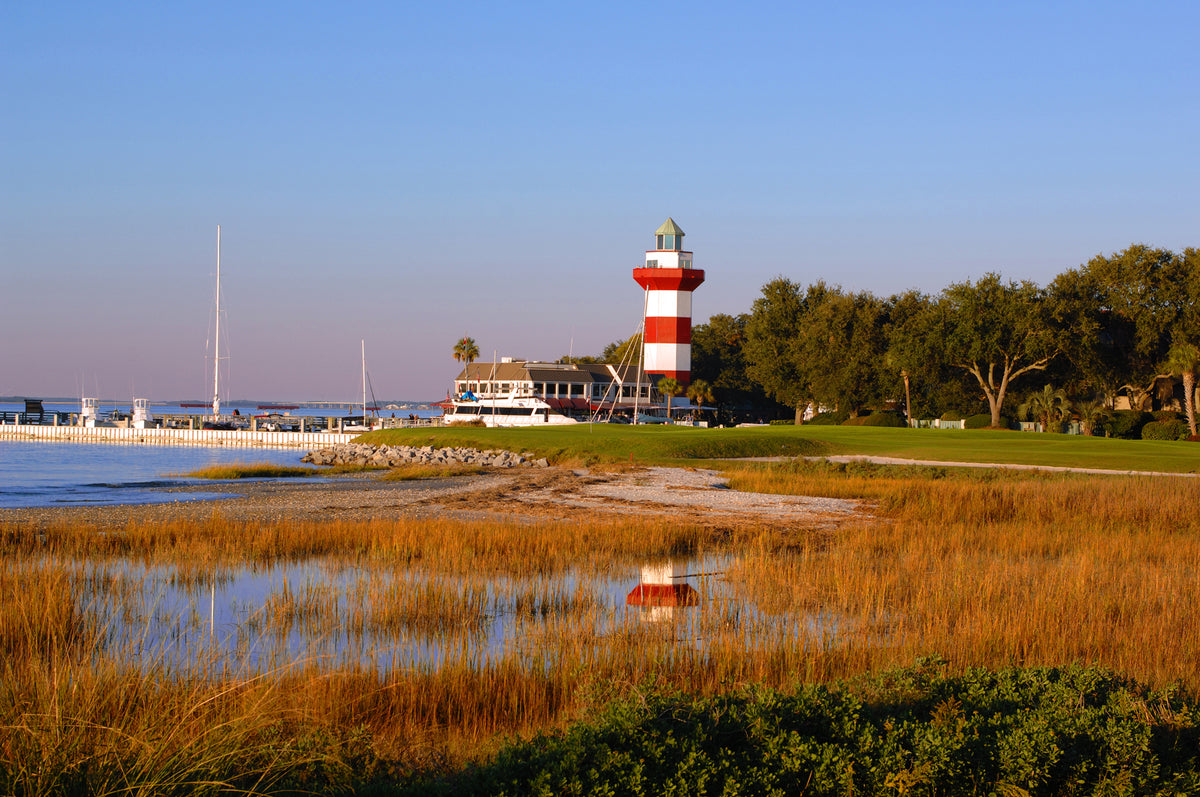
364, 425
216, 402
216, 423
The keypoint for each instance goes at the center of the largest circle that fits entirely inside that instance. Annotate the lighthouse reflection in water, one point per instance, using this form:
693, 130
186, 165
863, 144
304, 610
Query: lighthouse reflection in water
663, 593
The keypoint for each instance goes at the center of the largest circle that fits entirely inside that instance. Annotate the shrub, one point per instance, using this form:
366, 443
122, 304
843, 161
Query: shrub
829, 418
1165, 430
952, 415
1072, 730
984, 421
1128, 423
782, 422
1166, 415
891, 420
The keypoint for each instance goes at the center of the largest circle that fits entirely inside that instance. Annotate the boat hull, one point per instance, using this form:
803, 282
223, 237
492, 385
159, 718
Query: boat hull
518, 412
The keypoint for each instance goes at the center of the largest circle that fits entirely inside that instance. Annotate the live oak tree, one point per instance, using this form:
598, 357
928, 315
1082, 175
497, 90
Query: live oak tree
718, 355
1121, 313
839, 341
909, 357
771, 350
995, 331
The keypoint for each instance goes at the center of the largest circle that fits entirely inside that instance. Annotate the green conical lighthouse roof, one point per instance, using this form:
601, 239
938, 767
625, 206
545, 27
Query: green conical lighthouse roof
669, 227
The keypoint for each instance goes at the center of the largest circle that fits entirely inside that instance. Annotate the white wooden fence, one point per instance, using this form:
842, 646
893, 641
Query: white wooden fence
195, 437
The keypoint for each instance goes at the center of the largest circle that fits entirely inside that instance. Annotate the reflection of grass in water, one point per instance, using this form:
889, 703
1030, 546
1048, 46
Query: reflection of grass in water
985, 569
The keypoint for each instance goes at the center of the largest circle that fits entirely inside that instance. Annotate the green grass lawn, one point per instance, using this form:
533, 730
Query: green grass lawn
590, 444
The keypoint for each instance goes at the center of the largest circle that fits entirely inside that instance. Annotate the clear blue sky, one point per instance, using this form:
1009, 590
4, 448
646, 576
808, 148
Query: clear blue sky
410, 172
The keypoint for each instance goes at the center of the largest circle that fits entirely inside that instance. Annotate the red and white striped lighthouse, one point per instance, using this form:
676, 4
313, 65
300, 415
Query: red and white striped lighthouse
669, 279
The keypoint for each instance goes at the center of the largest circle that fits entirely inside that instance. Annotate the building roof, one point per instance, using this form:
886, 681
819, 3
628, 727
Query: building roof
522, 371
669, 227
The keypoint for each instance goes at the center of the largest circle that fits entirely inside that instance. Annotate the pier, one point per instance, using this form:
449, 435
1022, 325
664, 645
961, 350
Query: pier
174, 436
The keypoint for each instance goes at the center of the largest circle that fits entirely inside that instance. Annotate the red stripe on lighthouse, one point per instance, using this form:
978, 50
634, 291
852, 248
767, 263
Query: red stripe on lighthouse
669, 279
668, 330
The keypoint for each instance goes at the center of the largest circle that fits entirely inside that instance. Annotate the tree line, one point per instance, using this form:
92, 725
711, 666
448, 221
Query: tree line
1125, 324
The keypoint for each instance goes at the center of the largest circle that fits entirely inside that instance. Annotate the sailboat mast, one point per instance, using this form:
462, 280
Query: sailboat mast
364, 379
637, 391
216, 407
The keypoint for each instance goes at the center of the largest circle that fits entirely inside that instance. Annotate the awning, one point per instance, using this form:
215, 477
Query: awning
609, 405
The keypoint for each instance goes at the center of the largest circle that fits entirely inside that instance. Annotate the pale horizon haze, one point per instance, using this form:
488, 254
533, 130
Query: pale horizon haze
406, 174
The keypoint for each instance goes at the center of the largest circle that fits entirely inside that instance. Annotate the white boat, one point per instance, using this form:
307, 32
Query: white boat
508, 410
142, 417
523, 393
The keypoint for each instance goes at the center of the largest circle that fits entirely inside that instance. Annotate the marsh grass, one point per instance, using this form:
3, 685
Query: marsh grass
976, 568
197, 548
254, 471
402, 473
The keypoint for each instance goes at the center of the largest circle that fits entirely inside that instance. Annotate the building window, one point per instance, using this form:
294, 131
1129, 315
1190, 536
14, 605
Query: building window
659, 239
651, 264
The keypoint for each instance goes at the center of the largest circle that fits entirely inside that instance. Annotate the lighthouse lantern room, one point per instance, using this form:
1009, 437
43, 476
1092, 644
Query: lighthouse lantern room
668, 279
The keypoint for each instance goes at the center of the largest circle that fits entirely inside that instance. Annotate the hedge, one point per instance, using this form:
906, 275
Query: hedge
1165, 430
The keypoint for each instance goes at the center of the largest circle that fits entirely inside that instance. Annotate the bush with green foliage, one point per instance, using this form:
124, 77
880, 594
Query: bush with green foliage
829, 418
1128, 424
1073, 730
1165, 430
892, 420
952, 415
1166, 415
984, 421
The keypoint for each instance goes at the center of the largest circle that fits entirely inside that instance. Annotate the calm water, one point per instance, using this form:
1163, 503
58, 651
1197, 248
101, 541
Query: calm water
51, 473
263, 618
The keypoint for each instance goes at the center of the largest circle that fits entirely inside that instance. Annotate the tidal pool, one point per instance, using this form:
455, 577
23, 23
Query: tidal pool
334, 613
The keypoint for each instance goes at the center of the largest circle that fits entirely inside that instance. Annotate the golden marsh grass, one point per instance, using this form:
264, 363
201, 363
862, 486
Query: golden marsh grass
981, 568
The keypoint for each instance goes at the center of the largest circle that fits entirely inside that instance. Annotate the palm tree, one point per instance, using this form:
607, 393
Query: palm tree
700, 393
1184, 359
669, 387
465, 351
1091, 414
1049, 406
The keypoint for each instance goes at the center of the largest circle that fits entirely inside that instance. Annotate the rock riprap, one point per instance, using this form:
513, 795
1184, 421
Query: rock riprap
395, 456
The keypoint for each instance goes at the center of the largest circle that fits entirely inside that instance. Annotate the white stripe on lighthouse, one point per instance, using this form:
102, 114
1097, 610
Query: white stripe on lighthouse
669, 304
661, 357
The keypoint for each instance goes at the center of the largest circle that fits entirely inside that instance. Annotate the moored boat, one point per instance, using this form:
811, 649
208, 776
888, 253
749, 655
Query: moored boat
525, 393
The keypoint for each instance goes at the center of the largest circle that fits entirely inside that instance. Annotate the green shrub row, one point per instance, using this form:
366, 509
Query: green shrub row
1173, 429
829, 418
891, 420
1076, 730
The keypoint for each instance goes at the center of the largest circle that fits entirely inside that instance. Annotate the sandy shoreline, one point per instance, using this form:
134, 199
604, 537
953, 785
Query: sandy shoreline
695, 494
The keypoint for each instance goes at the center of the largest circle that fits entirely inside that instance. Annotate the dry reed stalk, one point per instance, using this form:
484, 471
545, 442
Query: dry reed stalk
1045, 570
987, 569
198, 549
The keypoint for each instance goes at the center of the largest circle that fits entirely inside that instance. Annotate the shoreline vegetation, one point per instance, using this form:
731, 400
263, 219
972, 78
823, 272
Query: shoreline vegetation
982, 631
